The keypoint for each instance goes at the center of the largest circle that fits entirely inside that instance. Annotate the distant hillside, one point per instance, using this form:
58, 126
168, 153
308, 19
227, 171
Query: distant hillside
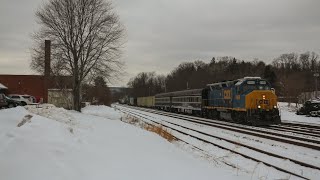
119, 93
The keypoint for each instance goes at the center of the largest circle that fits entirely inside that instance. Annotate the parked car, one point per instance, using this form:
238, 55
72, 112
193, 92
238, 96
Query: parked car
23, 99
3, 102
308, 107
11, 102
315, 113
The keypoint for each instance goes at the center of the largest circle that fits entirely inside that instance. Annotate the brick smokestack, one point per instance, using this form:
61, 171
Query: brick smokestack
47, 58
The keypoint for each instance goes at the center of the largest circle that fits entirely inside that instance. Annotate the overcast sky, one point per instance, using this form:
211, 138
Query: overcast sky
163, 33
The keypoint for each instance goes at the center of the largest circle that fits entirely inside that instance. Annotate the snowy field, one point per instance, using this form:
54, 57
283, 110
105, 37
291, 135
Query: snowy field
288, 114
279, 148
53, 143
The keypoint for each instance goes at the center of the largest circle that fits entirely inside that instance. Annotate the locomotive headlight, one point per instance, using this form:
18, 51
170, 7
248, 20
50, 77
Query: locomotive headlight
259, 107
275, 107
263, 97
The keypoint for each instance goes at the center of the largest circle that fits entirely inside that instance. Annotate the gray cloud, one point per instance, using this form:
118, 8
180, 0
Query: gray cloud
162, 34
16, 24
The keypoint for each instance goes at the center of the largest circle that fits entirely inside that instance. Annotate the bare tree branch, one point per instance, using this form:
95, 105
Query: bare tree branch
86, 40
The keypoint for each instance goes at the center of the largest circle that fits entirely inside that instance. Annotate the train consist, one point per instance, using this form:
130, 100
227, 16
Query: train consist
249, 100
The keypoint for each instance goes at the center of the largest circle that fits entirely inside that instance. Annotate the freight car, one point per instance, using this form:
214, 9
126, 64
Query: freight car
146, 101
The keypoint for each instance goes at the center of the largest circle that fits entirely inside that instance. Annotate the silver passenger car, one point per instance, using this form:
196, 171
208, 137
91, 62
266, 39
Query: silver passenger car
187, 101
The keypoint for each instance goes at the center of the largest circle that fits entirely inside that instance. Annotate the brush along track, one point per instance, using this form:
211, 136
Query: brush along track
258, 132
175, 138
226, 148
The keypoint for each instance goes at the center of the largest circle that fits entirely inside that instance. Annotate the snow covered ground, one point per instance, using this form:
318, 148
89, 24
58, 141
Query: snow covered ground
288, 114
53, 143
283, 149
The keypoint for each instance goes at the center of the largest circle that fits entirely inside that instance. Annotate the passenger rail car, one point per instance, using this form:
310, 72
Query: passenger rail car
188, 101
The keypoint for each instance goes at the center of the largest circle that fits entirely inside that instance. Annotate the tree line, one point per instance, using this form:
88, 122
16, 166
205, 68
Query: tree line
290, 74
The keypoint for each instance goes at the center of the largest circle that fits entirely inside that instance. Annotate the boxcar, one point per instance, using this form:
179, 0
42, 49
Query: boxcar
146, 101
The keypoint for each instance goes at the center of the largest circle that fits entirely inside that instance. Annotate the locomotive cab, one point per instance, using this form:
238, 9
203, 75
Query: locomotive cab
257, 100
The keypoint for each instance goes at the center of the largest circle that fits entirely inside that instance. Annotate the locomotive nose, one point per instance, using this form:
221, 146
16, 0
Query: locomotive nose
263, 103
261, 99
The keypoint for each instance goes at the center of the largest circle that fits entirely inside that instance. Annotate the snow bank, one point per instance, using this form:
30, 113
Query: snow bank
11, 117
96, 148
50, 111
103, 111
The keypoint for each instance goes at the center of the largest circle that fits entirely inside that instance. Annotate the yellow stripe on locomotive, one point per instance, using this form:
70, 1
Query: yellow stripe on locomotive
261, 99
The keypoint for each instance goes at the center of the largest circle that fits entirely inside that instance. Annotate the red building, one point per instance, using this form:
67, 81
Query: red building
36, 85
25, 84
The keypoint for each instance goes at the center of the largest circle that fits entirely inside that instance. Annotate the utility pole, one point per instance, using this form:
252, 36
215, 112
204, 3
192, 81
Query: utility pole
316, 75
165, 86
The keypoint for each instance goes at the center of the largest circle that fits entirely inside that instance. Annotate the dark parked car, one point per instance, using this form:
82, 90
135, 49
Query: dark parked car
308, 107
3, 102
12, 103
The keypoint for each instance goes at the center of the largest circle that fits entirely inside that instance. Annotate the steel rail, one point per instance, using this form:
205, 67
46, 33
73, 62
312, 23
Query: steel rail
296, 129
299, 141
314, 135
317, 127
231, 150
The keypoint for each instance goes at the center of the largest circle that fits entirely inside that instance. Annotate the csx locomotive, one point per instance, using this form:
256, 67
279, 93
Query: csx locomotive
249, 100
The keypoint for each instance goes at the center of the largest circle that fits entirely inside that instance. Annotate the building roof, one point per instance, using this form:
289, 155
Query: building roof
189, 92
3, 86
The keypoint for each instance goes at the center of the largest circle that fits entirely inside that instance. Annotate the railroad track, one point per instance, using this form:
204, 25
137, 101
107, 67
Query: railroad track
309, 127
258, 132
306, 130
182, 129
302, 131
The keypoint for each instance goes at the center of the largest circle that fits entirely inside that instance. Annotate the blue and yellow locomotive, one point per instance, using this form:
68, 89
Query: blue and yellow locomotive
248, 100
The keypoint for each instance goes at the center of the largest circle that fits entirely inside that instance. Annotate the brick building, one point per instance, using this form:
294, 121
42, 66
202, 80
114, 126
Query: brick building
36, 85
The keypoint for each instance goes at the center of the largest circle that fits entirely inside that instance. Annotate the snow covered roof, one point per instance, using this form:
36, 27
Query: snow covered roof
314, 100
59, 89
246, 78
180, 93
234, 82
219, 83
2, 86
252, 77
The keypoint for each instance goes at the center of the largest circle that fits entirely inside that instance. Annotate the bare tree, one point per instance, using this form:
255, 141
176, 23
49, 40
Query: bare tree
98, 93
86, 39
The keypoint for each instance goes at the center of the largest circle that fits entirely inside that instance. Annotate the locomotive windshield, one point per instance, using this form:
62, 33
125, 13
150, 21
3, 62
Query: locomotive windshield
254, 85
